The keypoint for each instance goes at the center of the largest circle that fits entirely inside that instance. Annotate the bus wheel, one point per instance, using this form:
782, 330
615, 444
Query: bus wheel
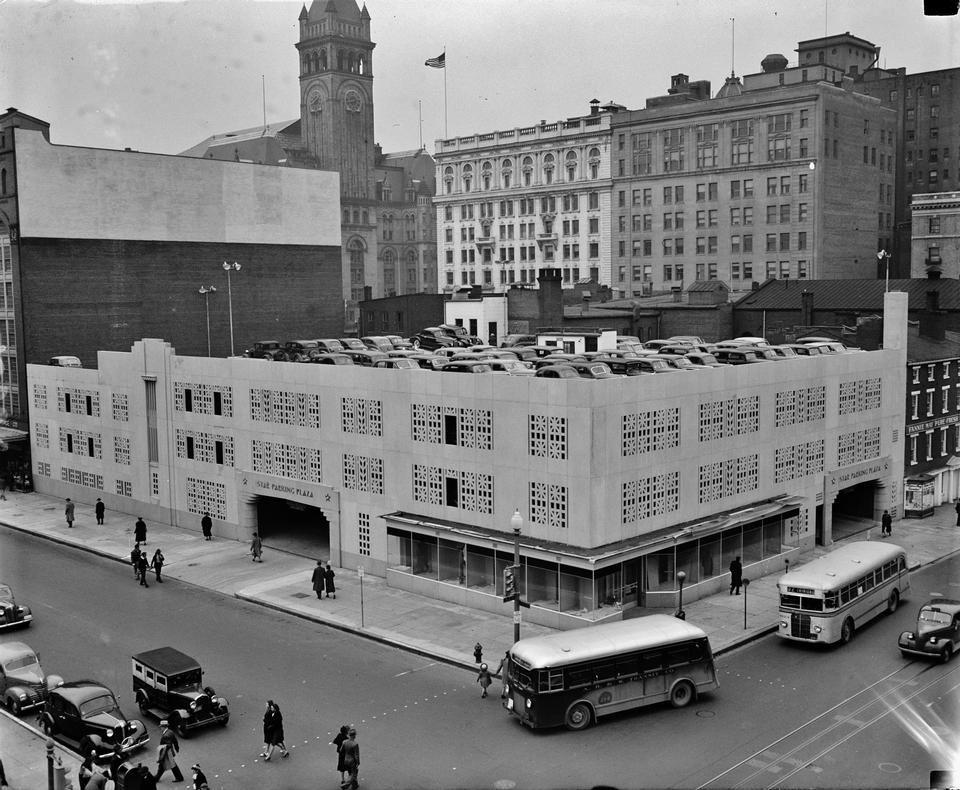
846, 631
893, 601
681, 694
578, 716
946, 654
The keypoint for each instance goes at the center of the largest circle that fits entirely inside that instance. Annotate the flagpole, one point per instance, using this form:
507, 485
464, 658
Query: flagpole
446, 132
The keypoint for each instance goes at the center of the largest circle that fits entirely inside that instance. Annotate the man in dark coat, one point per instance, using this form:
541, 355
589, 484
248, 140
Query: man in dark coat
100, 509
142, 566
167, 753
957, 508
319, 579
140, 531
736, 576
135, 560
351, 760
886, 524
206, 524
328, 575
68, 512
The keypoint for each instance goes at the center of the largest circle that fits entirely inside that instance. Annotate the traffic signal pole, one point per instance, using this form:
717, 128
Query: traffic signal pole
516, 565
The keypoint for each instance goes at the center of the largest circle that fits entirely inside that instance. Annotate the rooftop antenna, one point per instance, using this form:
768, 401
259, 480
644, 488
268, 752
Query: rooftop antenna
733, 45
825, 10
263, 84
420, 113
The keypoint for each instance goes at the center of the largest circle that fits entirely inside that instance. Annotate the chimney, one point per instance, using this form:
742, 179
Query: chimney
550, 297
932, 320
806, 309
677, 292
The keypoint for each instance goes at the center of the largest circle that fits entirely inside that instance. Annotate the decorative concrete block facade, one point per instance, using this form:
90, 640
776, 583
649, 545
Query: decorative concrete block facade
620, 483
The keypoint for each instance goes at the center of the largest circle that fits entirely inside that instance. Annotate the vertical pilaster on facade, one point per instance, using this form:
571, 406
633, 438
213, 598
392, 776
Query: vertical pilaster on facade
895, 305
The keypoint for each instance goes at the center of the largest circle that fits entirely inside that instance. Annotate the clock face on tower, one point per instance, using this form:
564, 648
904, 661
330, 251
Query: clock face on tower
314, 100
352, 101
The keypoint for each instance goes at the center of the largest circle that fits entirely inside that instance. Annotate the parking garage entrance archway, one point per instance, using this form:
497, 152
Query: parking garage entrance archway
855, 498
293, 516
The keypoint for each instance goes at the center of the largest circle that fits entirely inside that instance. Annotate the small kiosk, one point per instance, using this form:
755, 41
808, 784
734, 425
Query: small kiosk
918, 496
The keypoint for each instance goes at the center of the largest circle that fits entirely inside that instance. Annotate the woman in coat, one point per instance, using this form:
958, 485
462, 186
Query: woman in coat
328, 575
256, 547
318, 579
273, 731
338, 742
157, 563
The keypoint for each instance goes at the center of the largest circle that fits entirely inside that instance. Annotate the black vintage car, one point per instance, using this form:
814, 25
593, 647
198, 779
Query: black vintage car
168, 685
23, 683
937, 634
85, 715
12, 615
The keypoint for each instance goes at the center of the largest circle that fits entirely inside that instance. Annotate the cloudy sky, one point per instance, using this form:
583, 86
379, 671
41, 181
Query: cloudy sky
163, 76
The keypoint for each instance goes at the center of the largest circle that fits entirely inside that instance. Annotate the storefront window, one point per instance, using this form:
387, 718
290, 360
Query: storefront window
399, 551
710, 564
752, 543
481, 574
730, 547
660, 571
609, 586
576, 591
687, 561
424, 556
542, 584
772, 536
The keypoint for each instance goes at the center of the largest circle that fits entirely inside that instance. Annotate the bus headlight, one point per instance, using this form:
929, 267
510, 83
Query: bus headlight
817, 629
529, 704
783, 624
509, 703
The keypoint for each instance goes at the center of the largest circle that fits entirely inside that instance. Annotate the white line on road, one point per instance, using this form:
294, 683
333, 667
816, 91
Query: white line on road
411, 671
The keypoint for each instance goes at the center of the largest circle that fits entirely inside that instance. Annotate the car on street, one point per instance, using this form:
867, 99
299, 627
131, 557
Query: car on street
433, 337
168, 685
937, 634
266, 349
23, 683
85, 715
12, 614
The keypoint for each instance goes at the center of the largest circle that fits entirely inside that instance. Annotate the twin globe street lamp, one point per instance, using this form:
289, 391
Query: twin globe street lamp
205, 291
228, 267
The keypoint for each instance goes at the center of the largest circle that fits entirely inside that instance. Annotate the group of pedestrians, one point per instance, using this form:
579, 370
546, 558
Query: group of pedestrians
323, 580
70, 510
140, 563
273, 732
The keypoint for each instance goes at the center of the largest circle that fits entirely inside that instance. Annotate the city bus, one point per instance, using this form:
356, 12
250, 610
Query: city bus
574, 677
827, 599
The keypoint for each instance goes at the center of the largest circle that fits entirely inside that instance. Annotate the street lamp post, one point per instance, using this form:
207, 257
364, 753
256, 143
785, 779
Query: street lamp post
516, 521
680, 614
883, 255
228, 267
746, 586
206, 290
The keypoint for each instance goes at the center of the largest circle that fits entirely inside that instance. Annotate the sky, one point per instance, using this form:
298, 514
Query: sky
161, 77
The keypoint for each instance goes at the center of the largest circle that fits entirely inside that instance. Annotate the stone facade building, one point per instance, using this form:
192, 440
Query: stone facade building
935, 238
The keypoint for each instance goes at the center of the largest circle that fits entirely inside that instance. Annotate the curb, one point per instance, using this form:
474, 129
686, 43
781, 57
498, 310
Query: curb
40, 735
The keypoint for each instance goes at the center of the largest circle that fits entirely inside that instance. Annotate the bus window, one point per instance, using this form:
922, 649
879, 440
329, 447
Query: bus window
603, 672
579, 676
866, 583
551, 679
830, 599
651, 661
627, 667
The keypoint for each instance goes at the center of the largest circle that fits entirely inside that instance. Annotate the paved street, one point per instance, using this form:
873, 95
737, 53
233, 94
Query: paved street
400, 700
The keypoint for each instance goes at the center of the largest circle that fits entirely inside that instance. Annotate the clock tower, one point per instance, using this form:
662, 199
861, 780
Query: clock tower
336, 93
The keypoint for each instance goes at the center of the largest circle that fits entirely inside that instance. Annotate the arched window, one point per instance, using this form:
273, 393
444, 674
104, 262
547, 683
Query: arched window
593, 156
356, 217
411, 271
390, 272
346, 216
351, 63
323, 60
3, 181
486, 171
339, 60
506, 173
365, 218
467, 177
527, 170
448, 179
571, 165
357, 273
548, 165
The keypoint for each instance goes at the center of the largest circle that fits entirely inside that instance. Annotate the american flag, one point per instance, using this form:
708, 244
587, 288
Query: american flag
438, 62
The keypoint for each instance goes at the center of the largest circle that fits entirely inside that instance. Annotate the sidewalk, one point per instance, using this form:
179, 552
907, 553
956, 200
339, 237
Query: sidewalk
436, 629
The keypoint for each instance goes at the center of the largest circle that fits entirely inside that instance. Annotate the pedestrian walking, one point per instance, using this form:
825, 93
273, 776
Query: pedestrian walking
503, 670
206, 526
86, 769
116, 760
273, 731
3, 776
157, 563
338, 742
199, 778
319, 579
167, 753
478, 653
142, 568
736, 575
957, 508
99, 509
484, 679
256, 548
140, 778
886, 524
140, 531
135, 560
328, 585
351, 760
68, 512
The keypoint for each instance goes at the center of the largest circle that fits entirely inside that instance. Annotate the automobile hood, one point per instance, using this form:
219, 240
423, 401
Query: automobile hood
926, 630
27, 676
106, 720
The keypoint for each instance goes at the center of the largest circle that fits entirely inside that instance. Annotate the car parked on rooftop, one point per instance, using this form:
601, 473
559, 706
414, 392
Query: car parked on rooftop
397, 363
340, 358
366, 358
703, 359
593, 370
85, 715
634, 366
679, 362
558, 357
354, 343
431, 338
378, 343
656, 344
513, 367
266, 349
693, 339
784, 351
804, 349
399, 342
64, 361
466, 366
518, 340
461, 335
329, 345
300, 350
523, 353
23, 683
738, 356
561, 371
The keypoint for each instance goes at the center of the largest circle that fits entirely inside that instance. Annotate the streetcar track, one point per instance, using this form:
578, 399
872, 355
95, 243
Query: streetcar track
782, 758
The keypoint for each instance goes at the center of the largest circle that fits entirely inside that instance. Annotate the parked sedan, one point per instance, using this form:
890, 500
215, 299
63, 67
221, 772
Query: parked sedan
329, 346
466, 366
12, 615
593, 370
266, 349
561, 371
300, 350
703, 359
354, 343
340, 358
399, 342
513, 367
366, 358
518, 340
378, 343
23, 683
397, 363
433, 337
85, 715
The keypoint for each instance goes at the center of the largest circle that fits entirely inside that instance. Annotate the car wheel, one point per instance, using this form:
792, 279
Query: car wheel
893, 601
846, 631
47, 726
143, 705
946, 654
578, 716
224, 720
13, 705
416, 342
682, 694
905, 654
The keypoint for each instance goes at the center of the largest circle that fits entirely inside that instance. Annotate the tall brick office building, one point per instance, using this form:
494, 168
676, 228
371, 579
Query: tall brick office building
99, 248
